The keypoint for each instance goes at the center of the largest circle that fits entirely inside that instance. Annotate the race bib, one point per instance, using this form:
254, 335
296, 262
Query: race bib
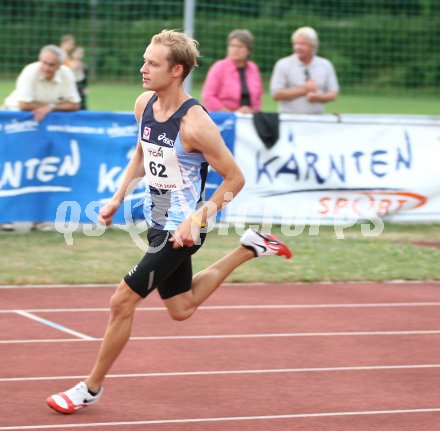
162, 167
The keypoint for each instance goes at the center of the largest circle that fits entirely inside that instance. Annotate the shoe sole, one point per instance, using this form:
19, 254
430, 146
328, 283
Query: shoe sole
55, 409
54, 406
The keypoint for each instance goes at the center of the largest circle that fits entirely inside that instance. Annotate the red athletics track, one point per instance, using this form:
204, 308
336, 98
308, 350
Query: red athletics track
292, 357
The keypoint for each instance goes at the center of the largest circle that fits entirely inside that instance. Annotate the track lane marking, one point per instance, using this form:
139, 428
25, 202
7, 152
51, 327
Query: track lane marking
248, 284
54, 286
53, 325
222, 419
233, 372
231, 336
239, 307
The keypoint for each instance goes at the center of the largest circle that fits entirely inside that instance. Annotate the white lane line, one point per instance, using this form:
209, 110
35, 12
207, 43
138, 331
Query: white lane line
54, 286
226, 372
221, 419
292, 334
47, 340
53, 325
364, 284
232, 336
241, 307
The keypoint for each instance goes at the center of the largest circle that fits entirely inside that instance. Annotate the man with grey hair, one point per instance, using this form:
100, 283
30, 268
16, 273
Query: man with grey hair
303, 82
44, 86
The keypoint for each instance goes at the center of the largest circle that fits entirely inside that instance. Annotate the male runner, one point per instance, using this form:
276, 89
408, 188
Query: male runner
177, 141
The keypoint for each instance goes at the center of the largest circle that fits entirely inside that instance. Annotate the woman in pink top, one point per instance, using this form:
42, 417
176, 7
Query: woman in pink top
234, 84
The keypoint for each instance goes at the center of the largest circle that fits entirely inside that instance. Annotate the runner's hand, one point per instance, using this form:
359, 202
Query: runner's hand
107, 212
186, 234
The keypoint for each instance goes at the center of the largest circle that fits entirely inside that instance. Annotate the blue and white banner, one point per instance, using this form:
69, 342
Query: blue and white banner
72, 163
332, 170
322, 170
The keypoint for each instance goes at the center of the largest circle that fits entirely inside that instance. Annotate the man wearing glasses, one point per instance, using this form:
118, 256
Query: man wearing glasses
44, 86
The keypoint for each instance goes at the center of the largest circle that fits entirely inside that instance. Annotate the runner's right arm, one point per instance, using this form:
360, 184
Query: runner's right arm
135, 171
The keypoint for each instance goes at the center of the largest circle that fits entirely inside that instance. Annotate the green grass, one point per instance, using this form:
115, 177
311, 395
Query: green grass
121, 97
44, 257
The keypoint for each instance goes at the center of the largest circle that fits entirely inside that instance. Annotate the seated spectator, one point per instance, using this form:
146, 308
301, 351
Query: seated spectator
303, 82
234, 83
44, 86
80, 71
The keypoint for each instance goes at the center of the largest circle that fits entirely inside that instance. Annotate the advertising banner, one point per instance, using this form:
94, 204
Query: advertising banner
70, 164
321, 170
330, 170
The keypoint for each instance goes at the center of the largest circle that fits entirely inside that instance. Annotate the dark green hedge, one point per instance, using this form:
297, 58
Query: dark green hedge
394, 47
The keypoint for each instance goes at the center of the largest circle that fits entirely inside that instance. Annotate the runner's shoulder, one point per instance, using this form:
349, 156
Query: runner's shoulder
196, 120
198, 128
141, 103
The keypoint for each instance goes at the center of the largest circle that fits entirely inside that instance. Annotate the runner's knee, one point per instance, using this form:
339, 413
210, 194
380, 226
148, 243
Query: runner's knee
181, 313
122, 303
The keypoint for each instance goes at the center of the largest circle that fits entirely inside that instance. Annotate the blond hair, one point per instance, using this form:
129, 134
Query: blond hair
67, 38
183, 49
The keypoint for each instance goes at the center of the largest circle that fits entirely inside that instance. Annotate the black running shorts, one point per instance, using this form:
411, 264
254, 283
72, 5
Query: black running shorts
163, 267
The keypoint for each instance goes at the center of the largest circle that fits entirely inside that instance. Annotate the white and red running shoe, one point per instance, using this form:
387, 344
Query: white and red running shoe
73, 399
263, 244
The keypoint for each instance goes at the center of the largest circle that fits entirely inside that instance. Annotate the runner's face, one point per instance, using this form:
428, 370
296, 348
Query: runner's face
156, 71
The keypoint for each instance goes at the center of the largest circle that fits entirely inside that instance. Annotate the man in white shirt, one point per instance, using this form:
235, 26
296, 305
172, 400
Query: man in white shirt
303, 82
44, 86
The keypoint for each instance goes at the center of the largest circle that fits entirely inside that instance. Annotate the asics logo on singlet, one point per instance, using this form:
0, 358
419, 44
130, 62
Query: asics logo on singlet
167, 141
